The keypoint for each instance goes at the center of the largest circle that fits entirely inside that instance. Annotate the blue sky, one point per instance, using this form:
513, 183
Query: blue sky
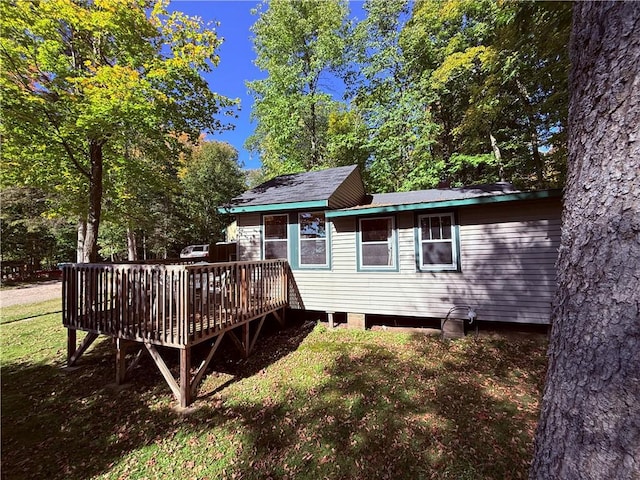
236, 60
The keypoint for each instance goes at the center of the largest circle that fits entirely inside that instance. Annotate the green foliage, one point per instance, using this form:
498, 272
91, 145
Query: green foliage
298, 43
28, 234
347, 139
133, 208
400, 127
440, 92
256, 177
211, 178
494, 69
113, 241
84, 82
469, 169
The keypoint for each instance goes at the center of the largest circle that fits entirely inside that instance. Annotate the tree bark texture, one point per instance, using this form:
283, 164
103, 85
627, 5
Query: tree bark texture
95, 202
132, 246
496, 153
82, 231
590, 419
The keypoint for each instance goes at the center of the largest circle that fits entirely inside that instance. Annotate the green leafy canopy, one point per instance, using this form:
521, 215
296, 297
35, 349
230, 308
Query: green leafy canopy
83, 80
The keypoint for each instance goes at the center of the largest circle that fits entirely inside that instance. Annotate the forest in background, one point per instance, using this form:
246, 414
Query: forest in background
435, 93
418, 94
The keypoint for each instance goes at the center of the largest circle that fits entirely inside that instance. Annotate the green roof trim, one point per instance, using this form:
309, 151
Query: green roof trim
275, 207
444, 203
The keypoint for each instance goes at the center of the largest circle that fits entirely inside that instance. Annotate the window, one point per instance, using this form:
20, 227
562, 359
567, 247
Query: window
275, 236
438, 249
377, 244
313, 239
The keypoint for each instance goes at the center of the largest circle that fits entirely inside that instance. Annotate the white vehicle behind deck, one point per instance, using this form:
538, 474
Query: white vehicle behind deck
195, 251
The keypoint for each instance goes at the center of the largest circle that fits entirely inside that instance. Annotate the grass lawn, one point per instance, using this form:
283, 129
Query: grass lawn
309, 404
22, 312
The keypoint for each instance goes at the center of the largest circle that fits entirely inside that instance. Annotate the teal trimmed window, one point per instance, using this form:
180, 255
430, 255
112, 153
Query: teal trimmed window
437, 242
301, 238
275, 236
377, 244
313, 250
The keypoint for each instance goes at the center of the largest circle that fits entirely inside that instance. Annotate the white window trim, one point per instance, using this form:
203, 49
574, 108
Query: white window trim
326, 243
391, 242
264, 234
453, 240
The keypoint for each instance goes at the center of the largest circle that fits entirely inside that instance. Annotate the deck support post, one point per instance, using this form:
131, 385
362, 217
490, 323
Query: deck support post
121, 361
164, 370
86, 343
255, 335
236, 342
245, 340
122, 370
203, 366
185, 377
280, 317
330, 319
245, 343
71, 344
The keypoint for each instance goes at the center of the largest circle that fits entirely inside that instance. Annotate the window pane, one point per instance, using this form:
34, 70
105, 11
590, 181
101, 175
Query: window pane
376, 230
312, 225
275, 227
424, 228
313, 252
375, 255
437, 253
446, 226
275, 250
435, 228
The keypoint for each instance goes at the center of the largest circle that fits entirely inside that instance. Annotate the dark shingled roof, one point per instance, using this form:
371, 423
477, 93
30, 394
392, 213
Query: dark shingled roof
440, 194
296, 187
441, 197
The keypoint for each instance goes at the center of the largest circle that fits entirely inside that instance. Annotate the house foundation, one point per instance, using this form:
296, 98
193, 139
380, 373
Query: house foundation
356, 321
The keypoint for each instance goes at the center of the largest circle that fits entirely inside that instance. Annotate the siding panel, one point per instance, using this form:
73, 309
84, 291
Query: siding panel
249, 236
350, 193
507, 251
508, 255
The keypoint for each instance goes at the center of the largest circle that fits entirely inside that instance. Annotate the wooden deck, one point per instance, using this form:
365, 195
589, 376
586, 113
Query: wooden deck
178, 306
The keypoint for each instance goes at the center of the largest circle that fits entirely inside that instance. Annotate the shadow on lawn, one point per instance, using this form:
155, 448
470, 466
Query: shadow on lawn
378, 412
77, 423
382, 415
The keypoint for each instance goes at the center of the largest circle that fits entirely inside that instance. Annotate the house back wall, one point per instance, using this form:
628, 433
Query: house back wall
507, 252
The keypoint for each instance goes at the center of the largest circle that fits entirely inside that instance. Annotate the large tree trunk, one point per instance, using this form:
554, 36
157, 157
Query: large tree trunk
95, 202
496, 153
132, 246
313, 137
82, 232
590, 420
538, 163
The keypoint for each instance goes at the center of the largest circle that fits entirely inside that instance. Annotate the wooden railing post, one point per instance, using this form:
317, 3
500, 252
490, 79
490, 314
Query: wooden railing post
244, 290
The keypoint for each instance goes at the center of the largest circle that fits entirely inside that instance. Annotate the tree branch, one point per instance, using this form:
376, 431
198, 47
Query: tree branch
27, 86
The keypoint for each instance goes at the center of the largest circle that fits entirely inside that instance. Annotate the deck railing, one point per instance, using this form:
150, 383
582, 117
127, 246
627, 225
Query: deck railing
175, 305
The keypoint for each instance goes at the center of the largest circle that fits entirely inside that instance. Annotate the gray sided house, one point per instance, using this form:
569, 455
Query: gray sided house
416, 254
